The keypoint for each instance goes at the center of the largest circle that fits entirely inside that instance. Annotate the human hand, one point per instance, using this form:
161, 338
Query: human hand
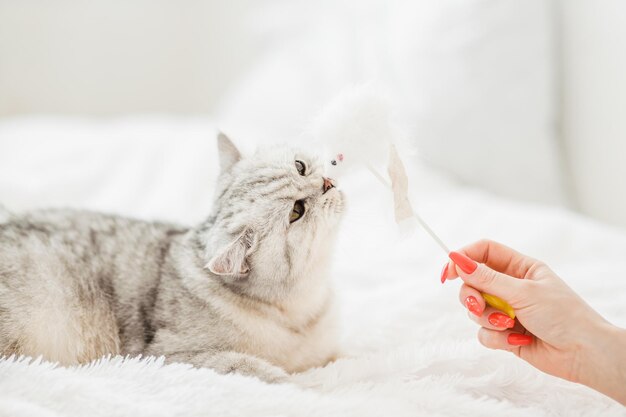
555, 331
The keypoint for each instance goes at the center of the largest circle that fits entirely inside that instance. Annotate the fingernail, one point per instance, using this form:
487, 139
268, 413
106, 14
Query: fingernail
516, 339
444, 273
472, 305
466, 264
501, 320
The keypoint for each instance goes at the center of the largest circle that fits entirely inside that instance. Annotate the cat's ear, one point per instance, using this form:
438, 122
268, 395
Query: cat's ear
231, 260
229, 154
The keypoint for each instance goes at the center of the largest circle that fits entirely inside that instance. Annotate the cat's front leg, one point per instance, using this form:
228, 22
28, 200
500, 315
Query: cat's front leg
232, 362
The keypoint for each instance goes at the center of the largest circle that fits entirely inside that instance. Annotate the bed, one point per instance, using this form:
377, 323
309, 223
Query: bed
408, 347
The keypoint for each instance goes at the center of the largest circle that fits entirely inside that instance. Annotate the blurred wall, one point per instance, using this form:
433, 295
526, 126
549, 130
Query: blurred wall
114, 57
117, 56
594, 104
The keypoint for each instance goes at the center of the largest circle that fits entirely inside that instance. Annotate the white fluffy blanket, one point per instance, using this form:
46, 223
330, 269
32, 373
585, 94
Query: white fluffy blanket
409, 348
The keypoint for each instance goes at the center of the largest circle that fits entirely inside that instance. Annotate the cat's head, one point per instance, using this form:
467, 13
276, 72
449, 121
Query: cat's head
274, 220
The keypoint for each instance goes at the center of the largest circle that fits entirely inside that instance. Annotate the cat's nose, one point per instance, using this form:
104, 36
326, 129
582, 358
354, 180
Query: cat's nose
328, 184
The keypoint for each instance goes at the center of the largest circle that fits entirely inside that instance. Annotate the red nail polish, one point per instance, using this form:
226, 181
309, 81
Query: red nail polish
501, 320
516, 339
472, 305
466, 264
444, 273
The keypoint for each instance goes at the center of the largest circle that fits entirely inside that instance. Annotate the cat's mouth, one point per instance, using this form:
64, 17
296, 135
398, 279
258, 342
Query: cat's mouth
328, 185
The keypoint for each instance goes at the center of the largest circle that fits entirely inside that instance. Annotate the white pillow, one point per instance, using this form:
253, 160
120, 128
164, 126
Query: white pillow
147, 167
473, 79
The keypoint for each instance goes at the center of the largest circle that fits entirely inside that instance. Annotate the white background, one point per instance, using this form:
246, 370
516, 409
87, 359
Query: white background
525, 99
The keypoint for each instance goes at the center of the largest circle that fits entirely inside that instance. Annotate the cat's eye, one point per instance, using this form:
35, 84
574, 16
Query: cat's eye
297, 212
301, 167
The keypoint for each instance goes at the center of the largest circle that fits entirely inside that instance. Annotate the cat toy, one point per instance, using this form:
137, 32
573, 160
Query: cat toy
358, 133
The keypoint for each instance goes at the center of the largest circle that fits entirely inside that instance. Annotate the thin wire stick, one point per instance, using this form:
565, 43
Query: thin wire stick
421, 221
430, 231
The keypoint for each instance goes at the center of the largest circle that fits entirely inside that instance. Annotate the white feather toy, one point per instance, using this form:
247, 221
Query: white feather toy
358, 132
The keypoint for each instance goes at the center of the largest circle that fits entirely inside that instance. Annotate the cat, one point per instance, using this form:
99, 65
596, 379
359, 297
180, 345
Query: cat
246, 291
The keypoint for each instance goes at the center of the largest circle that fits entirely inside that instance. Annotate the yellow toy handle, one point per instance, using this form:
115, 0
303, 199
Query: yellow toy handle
499, 304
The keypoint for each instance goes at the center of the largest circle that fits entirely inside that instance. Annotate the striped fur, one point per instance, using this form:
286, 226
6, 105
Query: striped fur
245, 291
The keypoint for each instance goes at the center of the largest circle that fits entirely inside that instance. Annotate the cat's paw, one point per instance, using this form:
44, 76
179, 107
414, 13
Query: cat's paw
234, 362
271, 374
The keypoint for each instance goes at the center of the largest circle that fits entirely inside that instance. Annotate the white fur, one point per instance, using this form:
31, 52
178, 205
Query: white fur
56, 327
357, 124
268, 331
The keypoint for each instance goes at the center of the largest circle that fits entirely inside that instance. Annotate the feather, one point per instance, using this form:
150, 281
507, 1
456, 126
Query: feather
355, 130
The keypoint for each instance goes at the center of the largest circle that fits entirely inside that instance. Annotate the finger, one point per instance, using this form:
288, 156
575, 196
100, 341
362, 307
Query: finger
499, 257
493, 319
503, 340
448, 272
485, 279
472, 300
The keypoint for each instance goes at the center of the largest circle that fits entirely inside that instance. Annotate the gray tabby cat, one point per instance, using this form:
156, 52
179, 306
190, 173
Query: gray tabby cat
246, 291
